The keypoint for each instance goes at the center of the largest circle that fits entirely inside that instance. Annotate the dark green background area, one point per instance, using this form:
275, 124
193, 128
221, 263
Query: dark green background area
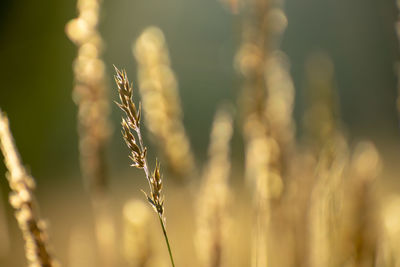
36, 67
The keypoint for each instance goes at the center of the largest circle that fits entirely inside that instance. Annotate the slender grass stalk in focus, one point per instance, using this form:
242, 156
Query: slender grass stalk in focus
139, 151
22, 200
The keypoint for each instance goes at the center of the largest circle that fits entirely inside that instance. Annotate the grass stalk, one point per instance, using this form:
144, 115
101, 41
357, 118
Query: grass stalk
160, 214
23, 201
130, 125
213, 216
166, 239
157, 83
90, 94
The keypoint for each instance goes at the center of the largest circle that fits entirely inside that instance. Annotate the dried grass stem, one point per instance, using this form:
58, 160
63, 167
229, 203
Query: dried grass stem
139, 152
22, 200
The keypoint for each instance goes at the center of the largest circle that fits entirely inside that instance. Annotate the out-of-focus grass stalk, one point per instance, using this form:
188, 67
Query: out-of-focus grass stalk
161, 104
325, 208
22, 200
136, 238
212, 237
90, 95
389, 254
330, 149
361, 227
321, 120
257, 159
267, 118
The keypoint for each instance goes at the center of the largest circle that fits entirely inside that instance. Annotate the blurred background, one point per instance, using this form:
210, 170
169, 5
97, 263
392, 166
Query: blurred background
202, 37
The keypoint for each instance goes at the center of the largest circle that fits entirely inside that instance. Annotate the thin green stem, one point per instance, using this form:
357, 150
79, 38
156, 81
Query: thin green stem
166, 239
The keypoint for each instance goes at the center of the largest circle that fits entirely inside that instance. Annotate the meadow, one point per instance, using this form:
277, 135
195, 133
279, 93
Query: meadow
215, 134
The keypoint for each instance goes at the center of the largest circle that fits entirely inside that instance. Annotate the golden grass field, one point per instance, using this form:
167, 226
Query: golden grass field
262, 196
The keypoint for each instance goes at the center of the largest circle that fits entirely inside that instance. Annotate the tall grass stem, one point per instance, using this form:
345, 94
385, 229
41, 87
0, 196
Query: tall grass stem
166, 239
